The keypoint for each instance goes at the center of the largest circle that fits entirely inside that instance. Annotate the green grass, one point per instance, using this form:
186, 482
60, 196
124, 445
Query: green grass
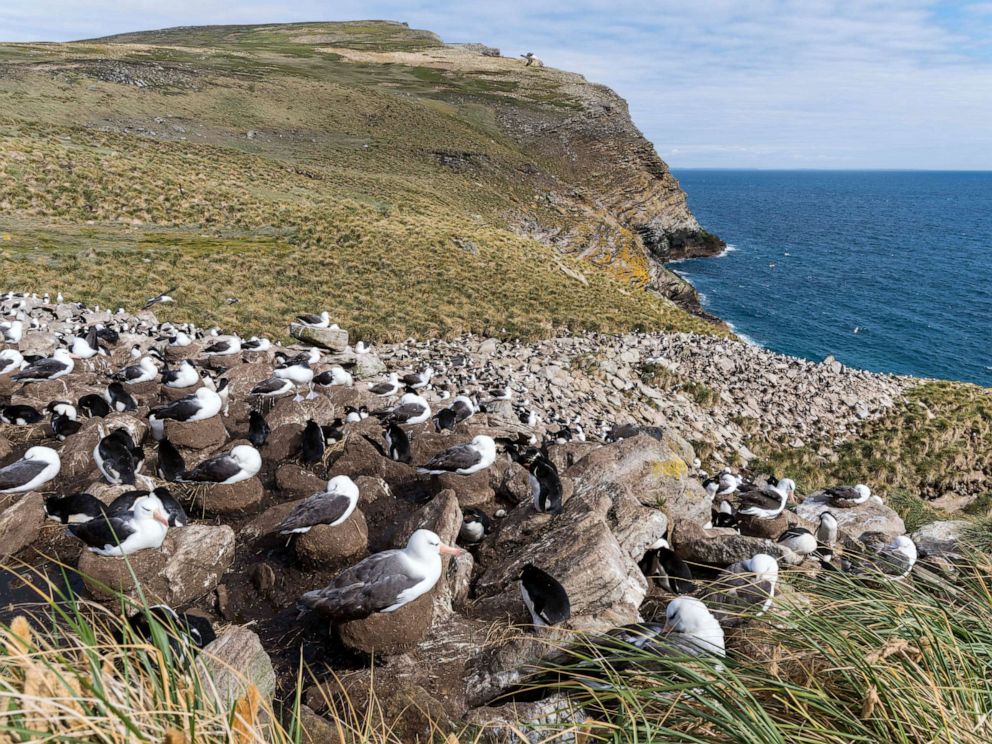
843, 661
936, 443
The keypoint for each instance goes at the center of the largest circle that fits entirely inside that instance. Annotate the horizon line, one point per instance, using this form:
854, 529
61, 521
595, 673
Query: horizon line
828, 170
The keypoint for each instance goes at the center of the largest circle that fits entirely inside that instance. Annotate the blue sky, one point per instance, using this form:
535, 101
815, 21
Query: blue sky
713, 83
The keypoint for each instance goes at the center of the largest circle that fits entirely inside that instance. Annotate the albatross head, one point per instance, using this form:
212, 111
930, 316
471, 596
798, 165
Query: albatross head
424, 543
149, 507
486, 445
786, 486
689, 617
248, 458
763, 566
344, 485
863, 491
904, 546
42, 454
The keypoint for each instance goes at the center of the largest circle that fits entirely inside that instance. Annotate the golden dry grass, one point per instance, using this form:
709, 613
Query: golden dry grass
248, 162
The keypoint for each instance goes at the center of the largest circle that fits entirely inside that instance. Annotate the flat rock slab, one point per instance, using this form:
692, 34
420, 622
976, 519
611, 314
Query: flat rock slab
723, 546
332, 339
197, 435
189, 565
871, 516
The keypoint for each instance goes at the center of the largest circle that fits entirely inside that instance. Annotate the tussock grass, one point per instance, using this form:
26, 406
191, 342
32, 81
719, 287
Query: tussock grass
938, 442
251, 163
844, 661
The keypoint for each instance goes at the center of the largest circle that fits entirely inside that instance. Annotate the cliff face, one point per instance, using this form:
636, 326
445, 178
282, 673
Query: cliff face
419, 162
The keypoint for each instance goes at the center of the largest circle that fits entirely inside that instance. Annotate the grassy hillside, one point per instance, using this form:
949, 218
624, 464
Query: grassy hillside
365, 168
929, 454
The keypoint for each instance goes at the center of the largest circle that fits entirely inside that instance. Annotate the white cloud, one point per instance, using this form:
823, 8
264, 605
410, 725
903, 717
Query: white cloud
769, 83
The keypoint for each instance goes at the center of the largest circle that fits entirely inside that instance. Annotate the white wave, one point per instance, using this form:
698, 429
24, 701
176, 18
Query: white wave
742, 336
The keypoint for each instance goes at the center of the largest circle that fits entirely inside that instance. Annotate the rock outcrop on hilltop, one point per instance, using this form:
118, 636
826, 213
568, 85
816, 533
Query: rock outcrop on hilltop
622, 421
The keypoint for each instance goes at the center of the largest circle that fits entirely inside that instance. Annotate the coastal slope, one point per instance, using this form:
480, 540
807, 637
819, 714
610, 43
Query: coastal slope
409, 186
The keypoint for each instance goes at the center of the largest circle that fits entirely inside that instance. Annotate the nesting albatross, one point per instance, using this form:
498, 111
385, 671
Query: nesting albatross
38, 466
384, 581
331, 506
463, 459
240, 464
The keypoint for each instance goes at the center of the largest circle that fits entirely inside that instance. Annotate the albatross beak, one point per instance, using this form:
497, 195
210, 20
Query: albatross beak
448, 550
162, 518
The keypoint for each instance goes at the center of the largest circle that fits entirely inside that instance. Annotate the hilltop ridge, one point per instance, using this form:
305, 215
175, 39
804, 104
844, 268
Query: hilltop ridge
367, 157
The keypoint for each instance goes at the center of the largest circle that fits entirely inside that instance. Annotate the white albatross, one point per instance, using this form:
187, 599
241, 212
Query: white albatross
145, 526
38, 466
463, 459
385, 581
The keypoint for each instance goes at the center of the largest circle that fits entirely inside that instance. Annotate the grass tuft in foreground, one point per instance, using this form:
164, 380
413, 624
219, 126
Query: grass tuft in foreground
837, 661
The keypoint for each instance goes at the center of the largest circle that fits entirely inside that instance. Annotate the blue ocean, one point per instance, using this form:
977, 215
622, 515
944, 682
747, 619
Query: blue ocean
887, 270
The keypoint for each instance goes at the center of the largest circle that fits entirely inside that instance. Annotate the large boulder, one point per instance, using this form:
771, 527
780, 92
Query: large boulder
332, 339
650, 469
871, 516
295, 482
188, 566
289, 411
942, 539
284, 442
592, 548
208, 434
21, 522
233, 661
722, 546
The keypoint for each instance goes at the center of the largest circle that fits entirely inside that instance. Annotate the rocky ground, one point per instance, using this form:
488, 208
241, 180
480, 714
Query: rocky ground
451, 653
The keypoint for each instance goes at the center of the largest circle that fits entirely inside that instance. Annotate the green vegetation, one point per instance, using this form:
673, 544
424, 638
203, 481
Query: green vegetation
333, 166
938, 442
836, 660
842, 661
661, 377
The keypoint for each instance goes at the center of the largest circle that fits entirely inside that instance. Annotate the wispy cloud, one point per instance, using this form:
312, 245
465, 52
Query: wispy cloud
768, 83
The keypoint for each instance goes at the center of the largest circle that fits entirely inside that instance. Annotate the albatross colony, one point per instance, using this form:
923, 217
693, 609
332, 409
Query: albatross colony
224, 456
